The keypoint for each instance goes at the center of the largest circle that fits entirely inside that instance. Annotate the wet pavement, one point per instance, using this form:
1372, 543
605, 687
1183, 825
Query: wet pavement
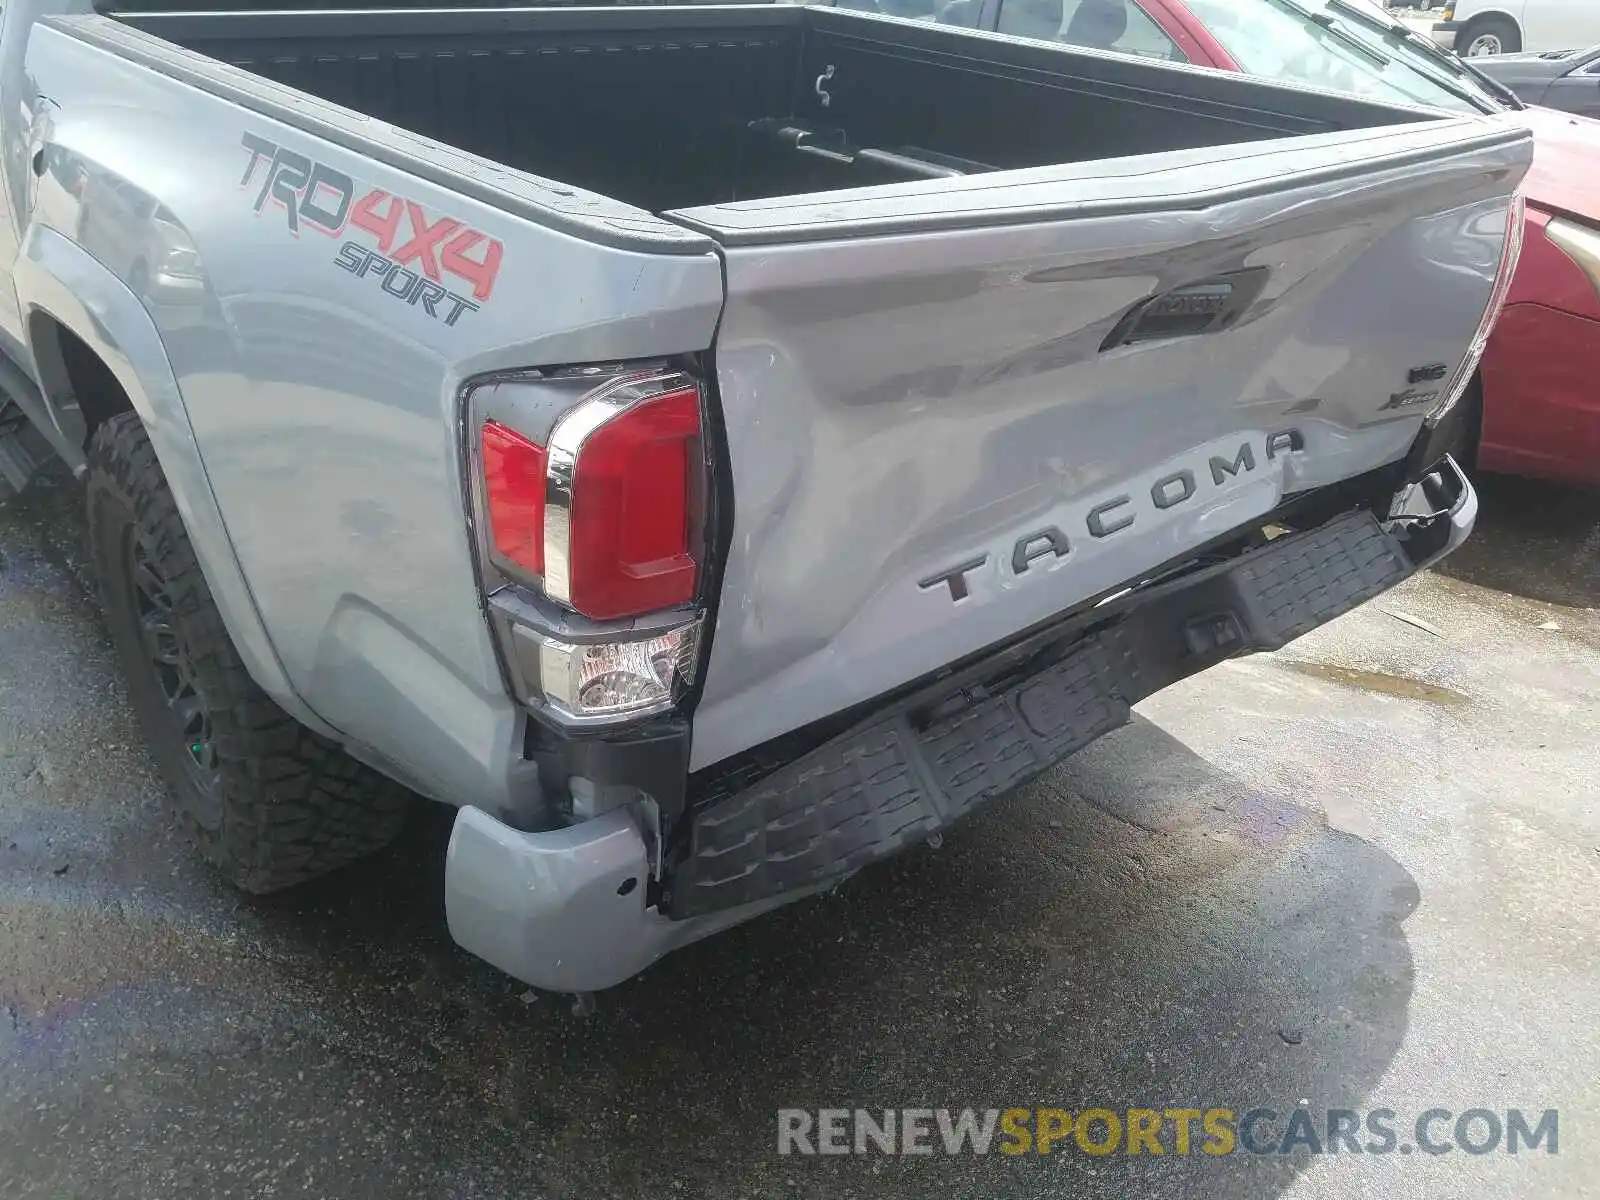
1362, 873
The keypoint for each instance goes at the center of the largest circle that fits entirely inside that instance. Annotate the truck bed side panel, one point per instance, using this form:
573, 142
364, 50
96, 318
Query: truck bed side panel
320, 362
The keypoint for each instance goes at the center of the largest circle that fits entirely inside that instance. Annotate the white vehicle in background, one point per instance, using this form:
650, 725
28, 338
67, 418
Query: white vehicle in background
1476, 27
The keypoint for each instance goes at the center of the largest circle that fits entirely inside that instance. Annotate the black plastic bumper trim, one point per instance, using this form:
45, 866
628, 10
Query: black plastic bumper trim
931, 758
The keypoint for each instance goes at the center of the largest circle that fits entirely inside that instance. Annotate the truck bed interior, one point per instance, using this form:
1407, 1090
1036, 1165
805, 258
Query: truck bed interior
666, 107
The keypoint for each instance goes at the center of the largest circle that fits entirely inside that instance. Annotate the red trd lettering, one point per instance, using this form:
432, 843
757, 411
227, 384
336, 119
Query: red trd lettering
365, 216
443, 244
424, 238
480, 274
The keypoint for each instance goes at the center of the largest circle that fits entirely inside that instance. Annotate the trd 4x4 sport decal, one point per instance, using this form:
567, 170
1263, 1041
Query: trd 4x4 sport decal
415, 250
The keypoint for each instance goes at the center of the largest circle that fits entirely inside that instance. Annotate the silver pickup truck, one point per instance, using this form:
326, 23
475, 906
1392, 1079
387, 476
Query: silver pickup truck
714, 448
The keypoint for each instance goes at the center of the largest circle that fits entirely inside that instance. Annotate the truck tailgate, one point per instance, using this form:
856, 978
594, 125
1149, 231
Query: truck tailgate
955, 410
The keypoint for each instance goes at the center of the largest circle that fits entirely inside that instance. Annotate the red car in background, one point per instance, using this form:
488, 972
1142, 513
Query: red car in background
1534, 408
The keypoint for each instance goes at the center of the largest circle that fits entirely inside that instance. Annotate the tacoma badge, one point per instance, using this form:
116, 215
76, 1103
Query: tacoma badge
1111, 516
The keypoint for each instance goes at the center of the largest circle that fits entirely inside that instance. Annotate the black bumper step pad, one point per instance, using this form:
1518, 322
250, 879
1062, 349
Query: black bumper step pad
1299, 582
928, 761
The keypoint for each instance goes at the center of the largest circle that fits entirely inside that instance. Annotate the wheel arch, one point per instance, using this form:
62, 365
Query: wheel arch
1490, 14
88, 334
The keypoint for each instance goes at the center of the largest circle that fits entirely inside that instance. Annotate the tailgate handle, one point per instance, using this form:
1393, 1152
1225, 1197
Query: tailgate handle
1204, 306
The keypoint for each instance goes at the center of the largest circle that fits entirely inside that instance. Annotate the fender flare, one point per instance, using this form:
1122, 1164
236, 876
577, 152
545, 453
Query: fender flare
59, 279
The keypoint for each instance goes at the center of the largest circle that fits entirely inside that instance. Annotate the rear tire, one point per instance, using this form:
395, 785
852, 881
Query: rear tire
1490, 35
265, 800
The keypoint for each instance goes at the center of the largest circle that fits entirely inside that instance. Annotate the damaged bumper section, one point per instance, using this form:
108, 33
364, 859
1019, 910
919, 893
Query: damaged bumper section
588, 906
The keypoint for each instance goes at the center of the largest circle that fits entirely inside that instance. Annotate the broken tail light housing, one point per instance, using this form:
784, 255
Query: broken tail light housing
589, 492
1510, 255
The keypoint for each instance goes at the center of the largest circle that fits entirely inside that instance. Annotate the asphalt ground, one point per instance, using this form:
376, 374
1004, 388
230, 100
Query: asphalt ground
1362, 873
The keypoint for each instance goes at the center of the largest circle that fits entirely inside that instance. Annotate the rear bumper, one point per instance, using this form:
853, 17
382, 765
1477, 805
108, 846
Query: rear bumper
556, 909
585, 907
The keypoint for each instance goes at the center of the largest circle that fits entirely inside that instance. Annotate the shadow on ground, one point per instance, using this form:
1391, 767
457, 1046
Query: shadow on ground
1139, 931
1533, 539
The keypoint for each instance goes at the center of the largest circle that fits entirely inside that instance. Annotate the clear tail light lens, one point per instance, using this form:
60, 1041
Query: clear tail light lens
1510, 254
610, 679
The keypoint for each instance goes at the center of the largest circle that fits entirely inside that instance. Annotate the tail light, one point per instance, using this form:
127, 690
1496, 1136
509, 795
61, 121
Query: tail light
1510, 254
617, 529
513, 475
590, 491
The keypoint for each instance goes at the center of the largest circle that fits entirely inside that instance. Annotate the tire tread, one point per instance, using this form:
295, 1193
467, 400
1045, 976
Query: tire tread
294, 805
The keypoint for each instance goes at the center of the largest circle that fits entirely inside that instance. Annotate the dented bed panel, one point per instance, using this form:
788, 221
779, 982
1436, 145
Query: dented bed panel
940, 439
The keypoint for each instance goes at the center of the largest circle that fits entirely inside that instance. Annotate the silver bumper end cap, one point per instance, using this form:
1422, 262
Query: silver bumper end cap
1445, 496
556, 909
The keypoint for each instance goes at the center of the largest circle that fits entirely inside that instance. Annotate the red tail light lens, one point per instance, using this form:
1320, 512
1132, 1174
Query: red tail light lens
605, 516
513, 489
630, 537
